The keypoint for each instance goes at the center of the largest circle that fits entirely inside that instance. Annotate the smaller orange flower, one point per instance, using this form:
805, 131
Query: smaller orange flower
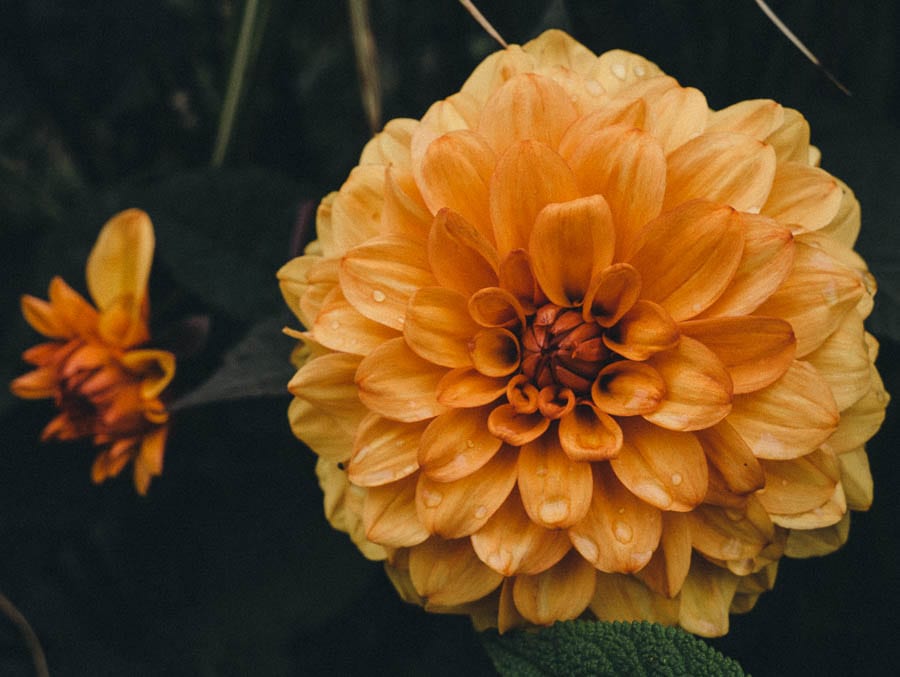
104, 388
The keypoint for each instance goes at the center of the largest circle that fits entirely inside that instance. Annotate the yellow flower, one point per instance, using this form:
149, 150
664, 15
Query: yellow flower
105, 388
577, 344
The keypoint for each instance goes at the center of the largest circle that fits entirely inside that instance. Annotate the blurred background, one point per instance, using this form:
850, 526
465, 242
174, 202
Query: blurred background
228, 567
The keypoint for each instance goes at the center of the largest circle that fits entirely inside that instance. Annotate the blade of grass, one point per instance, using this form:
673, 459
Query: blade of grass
366, 62
483, 22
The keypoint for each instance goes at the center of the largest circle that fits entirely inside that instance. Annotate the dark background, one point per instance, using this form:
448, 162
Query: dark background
227, 567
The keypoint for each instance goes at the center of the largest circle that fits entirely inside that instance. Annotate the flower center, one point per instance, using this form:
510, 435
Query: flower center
560, 349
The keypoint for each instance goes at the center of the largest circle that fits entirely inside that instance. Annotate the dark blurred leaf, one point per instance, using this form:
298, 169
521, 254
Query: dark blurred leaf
607, 650
257, 366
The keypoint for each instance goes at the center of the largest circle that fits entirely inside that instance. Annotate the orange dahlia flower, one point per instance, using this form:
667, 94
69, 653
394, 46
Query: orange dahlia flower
105, 388
577, 344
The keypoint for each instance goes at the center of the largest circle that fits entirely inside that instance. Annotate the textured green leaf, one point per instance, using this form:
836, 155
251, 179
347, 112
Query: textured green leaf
613, 649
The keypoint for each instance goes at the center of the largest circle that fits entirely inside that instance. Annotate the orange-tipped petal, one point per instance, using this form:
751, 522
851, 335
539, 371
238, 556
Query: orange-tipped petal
529, 176
644, 330
561, 593
389, 515
570, 243
789, 418
384, 451
722, 167
468, 388
689, 257
379, 277
620, 531
588, 434
463, 506
398, 384
438, 327
449, 572
510, 543
556, 491
756, 351
460, 256
664, 468
456, 444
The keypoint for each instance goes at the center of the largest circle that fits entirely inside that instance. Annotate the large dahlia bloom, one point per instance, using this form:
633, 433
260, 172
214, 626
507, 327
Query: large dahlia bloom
105, 387
577, 344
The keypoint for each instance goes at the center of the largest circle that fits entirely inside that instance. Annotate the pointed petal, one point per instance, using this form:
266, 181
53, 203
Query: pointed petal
449, 572
799, 484
529, 176
663, 468
757, 118
389, 514
705, 599
722, 167
527, 106
559, 594
619, 532
843, 361
856, 479
620, 111
73, 311
398, 384
438, 327
495, 70
510, 543
698, 387
803, 195
815, 296
789, 418
627, 388
644, 330
403, 213
677, 114
339, 326
119, 264
588, 434
732, 457
456, 444
624, 598
766, 262
862, 420
689, 257
379, 277
791, 139
556, 491
43, 317
570, 243
356, 209
621, 163
467, 388
756, 351
36, 384
461, 507
384, 451
667, 569
726, 534
391, 145
461, 257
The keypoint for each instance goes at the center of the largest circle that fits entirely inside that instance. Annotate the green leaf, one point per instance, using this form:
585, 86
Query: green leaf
613, 649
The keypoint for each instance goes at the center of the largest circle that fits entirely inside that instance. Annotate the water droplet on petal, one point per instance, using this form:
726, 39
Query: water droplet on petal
335, 325
470, 444
619, 71
639, 70
621, 511
753, 210
480, 512
431, 498
677, 478
555, 511
734, 515
623, 531
593, 87
378, 295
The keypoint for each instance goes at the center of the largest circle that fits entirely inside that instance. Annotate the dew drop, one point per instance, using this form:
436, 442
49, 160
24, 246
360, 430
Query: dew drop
593, 87
639, 70
480, 512
378, 295
753, 210
431, 498
470, 444
621, 511
553, 512
335, 325
623, 531
677, 479
618, 69
734, 515
784, 483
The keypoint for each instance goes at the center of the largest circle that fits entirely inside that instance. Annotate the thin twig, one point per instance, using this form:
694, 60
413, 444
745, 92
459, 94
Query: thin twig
28, 634
235, 83
484, 23
788, 33
366, 62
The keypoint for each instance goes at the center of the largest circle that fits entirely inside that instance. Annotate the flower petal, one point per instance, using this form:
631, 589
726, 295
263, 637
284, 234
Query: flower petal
156, 369
818, 542
438, 327
36, 384
389, 514
756, 351
384, 451
460, 256
620, 163
467, 388
529, 176
843, 361
799, 484
856, 479
619, 532
862, 420
617, 69
461, 507
495, 352
449, 572
43, 318
496, 307
356, 209
732, 457
791, 139
556, 491
119, 264
689, 256
644, 330
671, 561
626, 388
789, 418
516, 428
698, 387
403, 213
510, 543
398, 384
722, 167
456, 444
758, 118
803, 195
588, 434
829, 513
706, 598
844, 227
664, 468
727, 534
611, 294
624, 598
391, 145
81, 317
339, 326
379, 277
559, 594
